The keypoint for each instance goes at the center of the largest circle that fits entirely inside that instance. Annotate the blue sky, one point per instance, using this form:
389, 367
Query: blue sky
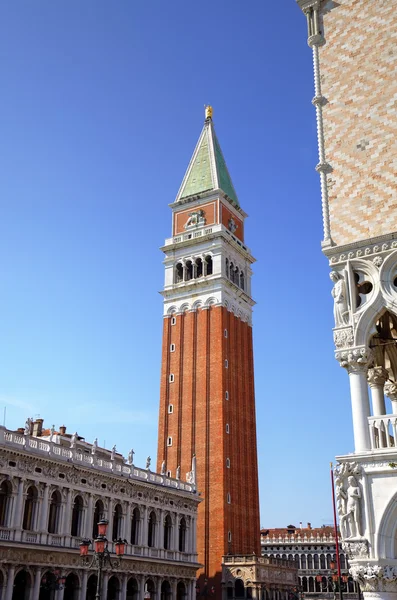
101, 107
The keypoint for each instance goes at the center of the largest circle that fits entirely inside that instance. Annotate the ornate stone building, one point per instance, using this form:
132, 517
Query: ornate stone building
55, 487
259, 578
355, 64
313, 550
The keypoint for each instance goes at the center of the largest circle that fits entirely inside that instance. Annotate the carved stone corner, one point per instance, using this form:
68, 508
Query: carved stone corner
343, 337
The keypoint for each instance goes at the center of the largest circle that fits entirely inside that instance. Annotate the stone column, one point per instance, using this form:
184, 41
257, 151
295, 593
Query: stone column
144, 527
123, 592
391, 392
36, 585
173, 589
10, 582
105, 582
141, 587
160, 537
158, 588
110, 519
127, 524
18, 507
83, 589
68, 513
360, 404
44, 510
59, 594
89, 517
377, 377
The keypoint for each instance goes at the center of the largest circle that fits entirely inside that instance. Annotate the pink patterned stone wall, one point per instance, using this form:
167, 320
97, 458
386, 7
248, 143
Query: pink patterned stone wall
359, 81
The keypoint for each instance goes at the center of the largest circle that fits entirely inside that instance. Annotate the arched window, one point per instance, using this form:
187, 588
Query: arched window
135, 526
227, 267
322, 561
117, 522
22, 585
114, 588
150, 589
237, 276
71, 587
77, 516
231, 271
239, 591
151, 533
5, 498
178, 273
342, 561
199, 267
242, 280
98, 514
55, 512
167, 532
30, 511
316, 562
309, 561
132, 589
181, 591
303, 561
189, 270
182, 535
208, 262
328, 561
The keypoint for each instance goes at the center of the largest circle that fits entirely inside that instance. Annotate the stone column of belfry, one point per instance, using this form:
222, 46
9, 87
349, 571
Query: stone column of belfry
207, 400
377, 377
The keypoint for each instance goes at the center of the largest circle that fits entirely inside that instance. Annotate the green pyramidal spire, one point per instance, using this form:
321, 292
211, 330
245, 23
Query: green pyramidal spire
207, 169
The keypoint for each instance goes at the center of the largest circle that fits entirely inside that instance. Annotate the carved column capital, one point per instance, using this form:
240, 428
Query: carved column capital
375, 578
355, 360
377, 376
391, 390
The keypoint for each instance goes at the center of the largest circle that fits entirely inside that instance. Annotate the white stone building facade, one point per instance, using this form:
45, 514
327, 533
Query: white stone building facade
313, 550
353, 47
55, 488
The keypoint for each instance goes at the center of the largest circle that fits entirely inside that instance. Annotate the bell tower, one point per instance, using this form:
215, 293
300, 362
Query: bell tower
355, 65
207, 428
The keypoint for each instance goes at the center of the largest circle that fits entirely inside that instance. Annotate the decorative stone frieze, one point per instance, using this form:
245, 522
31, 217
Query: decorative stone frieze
343, 338
356, 549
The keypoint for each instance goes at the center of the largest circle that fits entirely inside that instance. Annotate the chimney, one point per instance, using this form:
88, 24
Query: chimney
309, 525
62, 430
38, 427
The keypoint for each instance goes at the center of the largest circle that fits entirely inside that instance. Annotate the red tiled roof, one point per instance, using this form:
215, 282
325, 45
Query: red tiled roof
297, 531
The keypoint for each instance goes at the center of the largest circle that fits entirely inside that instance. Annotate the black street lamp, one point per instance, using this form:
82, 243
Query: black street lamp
101, 556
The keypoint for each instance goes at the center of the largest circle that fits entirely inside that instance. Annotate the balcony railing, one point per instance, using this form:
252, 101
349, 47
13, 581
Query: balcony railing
73, 543
53, 450
200, 232
383, 432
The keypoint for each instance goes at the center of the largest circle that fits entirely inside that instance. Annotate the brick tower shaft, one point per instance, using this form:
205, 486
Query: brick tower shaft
207, 400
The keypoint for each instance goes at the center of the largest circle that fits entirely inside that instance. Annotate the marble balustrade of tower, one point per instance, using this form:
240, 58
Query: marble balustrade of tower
353, 45
207, 403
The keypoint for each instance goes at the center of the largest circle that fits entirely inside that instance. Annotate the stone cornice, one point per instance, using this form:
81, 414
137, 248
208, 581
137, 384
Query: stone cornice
361, 249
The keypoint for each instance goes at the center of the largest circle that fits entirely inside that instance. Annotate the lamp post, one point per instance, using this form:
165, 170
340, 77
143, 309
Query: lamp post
335, 579
101, 556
